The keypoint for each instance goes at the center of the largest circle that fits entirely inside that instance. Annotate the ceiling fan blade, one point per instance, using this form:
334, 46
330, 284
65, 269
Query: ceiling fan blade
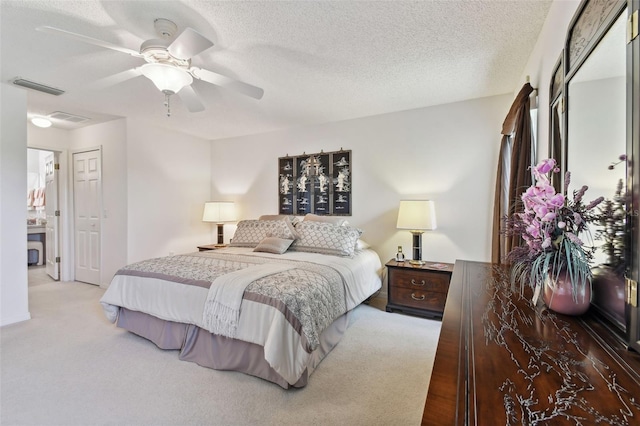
229, 83
191, 99
90, 40
117, 78
188, 44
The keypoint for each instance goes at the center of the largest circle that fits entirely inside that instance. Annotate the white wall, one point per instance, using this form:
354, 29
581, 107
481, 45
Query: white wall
14, 303
446, 153
168, 184
51, 138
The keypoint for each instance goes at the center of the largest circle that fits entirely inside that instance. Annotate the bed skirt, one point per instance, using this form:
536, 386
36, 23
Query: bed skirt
224, 353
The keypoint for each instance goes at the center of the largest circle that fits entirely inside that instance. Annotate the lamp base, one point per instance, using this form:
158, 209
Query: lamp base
417, 248
220, 234
417, 262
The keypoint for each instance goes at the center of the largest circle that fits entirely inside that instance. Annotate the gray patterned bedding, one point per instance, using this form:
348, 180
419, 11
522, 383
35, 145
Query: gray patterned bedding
286, 307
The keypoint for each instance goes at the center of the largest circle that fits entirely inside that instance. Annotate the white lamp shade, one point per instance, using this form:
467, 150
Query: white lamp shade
417, 215
167, 78
219, 212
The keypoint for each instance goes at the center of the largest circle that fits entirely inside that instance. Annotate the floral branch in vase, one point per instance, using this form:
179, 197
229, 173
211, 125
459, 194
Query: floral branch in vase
550, 225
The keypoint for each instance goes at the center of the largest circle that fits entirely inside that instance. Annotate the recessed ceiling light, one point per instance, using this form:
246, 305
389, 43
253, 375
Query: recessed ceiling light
41, 122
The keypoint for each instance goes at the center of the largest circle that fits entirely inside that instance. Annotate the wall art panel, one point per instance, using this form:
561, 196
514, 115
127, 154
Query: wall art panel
317, 183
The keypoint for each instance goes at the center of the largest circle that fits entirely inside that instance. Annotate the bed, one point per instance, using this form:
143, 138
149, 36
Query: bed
253, 307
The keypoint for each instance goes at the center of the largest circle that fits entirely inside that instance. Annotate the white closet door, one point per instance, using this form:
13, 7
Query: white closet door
87, 195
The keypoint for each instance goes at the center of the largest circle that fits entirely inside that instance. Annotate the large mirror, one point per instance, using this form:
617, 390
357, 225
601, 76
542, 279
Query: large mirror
595, 155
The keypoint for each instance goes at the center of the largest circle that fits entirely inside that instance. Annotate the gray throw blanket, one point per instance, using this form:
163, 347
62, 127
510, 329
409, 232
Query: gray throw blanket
222, 308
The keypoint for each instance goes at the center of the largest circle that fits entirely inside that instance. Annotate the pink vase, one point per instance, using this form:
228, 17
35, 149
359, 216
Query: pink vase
558, 295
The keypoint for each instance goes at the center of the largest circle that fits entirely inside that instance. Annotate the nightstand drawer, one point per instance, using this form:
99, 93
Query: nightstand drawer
420, 280
418, 299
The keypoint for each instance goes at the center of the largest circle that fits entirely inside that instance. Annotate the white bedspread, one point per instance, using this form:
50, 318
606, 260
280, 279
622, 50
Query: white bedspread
285, 348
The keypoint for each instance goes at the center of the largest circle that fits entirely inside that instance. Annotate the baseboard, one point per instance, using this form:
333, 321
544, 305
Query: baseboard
15, 319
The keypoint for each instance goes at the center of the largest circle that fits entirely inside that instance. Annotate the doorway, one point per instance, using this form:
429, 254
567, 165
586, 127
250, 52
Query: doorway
43, 214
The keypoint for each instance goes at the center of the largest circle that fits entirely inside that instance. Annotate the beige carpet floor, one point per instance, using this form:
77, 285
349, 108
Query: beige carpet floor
69, 366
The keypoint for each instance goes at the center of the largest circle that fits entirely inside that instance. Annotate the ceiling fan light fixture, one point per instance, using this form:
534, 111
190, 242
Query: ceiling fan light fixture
167, 78
41, 122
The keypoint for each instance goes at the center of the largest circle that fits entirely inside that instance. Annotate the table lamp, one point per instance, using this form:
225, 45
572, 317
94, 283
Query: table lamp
219, 212
417, 216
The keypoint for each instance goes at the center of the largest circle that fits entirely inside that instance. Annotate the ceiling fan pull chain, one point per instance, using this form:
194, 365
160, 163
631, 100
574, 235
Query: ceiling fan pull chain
167, 104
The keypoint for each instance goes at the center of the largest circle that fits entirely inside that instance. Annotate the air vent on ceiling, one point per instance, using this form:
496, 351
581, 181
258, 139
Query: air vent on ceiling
65, 116
37, 86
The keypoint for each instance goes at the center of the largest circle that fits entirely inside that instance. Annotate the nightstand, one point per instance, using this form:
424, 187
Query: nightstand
418, 289
208, 247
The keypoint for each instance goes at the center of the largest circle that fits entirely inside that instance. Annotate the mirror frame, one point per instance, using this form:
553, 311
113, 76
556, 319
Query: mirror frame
556, 101
633, 174
589, 25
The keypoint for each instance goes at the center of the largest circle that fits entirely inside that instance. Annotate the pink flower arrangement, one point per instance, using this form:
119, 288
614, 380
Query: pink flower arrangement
549, 225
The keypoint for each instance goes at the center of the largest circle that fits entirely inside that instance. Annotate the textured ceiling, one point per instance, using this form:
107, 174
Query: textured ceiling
317, 61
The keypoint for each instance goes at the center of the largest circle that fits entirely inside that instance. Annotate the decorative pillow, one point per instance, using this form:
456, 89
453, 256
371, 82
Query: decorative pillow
273, 245
326, 238
336, 220
250, 233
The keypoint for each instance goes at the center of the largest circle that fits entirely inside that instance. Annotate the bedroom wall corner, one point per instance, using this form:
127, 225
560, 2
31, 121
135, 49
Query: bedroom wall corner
14, 298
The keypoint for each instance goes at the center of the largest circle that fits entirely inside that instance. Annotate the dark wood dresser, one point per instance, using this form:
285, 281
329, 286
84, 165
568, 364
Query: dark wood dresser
418, 289
502, 361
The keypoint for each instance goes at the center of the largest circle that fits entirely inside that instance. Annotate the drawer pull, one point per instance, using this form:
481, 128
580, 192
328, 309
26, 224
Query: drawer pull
413, 296
413, 282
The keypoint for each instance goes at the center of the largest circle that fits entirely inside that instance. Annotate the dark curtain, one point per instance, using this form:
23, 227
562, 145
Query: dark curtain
514, 174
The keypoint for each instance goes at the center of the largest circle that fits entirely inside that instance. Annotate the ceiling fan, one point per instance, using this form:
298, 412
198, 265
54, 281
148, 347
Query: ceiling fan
169, 63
